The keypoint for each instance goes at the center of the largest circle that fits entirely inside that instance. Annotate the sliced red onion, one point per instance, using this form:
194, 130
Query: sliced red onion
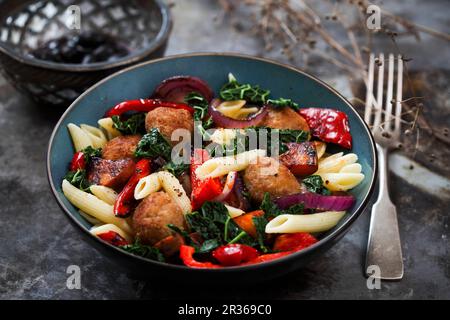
244, 204
175, 89
226, 122
228, 187
316, 201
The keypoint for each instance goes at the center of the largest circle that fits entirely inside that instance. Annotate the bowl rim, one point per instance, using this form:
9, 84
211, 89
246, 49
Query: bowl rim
133, 57
340, 231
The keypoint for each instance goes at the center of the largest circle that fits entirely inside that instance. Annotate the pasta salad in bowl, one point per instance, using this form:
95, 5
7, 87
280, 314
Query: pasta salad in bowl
201, 175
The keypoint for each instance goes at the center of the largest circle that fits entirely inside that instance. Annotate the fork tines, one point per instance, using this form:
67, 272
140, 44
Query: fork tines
378, 115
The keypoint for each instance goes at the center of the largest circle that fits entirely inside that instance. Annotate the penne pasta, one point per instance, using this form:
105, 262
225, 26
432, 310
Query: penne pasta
317, 222
336, 162
218, 167
107, 124
236, 109
80, 138
321, 147
93, 206
96, 135
341, 181
351, 168
104, 193
223, 136
147, 185
90, 218
110, 227
234, 212
175, 190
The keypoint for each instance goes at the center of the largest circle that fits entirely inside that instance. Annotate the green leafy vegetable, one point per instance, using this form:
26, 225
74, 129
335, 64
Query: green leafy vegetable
233, 90
282, 102
295, 209
152, 145
176, 169
78, 179
214, 225
200, 105
90, 152
314, 184
242, 140
133, 125
260, 226
271, 210
139, 249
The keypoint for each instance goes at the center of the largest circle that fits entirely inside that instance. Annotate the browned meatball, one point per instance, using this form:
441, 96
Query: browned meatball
121, 147
268, 175
284, 118
152, 216
167, 120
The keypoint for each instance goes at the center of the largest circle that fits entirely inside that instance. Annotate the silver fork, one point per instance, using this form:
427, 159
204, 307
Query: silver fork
384, 247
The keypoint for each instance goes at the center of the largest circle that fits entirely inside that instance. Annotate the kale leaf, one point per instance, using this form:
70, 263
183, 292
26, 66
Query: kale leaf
271, 210
233, 90
314, 184
176, 169
90, 152
152, 145
282, 102
200, 105
260, 226
133, 125
78, 179
139, 249
215, 226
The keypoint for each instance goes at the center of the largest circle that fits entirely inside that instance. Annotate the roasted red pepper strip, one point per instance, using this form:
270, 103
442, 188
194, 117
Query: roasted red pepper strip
202, 190
113, 238
293, 241
187, 256
145, 105
122, 207
78, 162
267, 257
234, 254
329, 125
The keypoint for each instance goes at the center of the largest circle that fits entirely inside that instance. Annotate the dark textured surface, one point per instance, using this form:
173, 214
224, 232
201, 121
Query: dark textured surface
38, 243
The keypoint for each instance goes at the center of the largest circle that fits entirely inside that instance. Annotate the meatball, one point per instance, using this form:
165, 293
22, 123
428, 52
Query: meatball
167, 120
153, 214
284, 118
268, 175
110, 173
121, 147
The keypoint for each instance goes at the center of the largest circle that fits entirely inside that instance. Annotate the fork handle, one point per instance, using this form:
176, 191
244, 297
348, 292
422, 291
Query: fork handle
384, 248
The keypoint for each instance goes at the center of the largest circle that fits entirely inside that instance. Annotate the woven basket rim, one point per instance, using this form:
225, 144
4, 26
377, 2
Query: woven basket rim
135, 56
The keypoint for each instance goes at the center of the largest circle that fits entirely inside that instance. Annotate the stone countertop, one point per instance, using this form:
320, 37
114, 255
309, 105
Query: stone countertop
38, 243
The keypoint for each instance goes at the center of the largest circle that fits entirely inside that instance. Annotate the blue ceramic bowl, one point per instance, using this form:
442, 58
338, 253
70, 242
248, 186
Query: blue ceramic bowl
139, 81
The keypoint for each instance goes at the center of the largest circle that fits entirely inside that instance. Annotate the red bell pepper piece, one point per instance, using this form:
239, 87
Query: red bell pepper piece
267, 257
145, 105
293, 241
113, 238
329, 125
202, 190
187, 256
122, 206
78, 162
234, 254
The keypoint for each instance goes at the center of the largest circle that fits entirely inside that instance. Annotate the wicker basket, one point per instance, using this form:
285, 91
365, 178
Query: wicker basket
144, 25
